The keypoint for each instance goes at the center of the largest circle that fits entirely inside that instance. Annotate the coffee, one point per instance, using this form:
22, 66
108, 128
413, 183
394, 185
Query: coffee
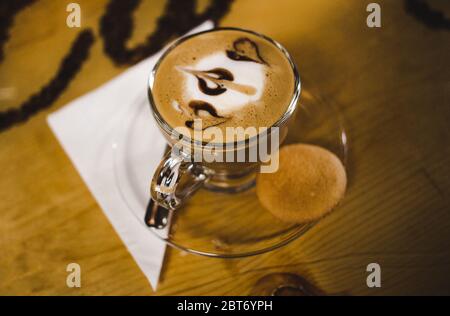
224, 78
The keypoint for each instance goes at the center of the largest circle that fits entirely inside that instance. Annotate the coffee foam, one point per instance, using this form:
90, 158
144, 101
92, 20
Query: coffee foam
226, 78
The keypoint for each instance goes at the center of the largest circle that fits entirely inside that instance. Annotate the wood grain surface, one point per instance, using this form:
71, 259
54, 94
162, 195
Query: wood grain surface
391, 84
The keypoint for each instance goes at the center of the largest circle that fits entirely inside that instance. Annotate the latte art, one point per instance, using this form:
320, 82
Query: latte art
235, 85
225, 78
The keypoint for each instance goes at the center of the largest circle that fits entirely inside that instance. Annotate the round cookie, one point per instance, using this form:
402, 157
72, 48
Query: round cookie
308, 184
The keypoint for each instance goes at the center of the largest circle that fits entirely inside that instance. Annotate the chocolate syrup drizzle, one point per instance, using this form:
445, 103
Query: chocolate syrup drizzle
190, 124
197, 106
220, 74
204, 106
245, 50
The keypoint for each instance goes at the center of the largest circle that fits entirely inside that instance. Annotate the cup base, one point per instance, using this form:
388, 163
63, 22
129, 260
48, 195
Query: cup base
231, 186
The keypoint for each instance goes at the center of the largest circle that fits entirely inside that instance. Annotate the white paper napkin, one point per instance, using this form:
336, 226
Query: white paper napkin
91, 128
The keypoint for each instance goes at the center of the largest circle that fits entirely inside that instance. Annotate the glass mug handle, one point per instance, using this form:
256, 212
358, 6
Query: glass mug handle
176, 179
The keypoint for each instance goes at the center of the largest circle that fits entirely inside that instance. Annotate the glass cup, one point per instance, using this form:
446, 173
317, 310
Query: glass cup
229, 166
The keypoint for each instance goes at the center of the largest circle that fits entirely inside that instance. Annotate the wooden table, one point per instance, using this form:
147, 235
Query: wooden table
391, 83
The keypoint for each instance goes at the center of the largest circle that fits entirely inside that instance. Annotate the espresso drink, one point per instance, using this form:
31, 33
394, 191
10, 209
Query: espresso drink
224, 78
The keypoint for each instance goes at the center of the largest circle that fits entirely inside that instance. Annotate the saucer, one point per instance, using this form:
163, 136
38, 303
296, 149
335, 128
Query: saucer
211, 223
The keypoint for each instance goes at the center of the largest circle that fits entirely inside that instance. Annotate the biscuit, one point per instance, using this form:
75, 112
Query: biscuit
308, 184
